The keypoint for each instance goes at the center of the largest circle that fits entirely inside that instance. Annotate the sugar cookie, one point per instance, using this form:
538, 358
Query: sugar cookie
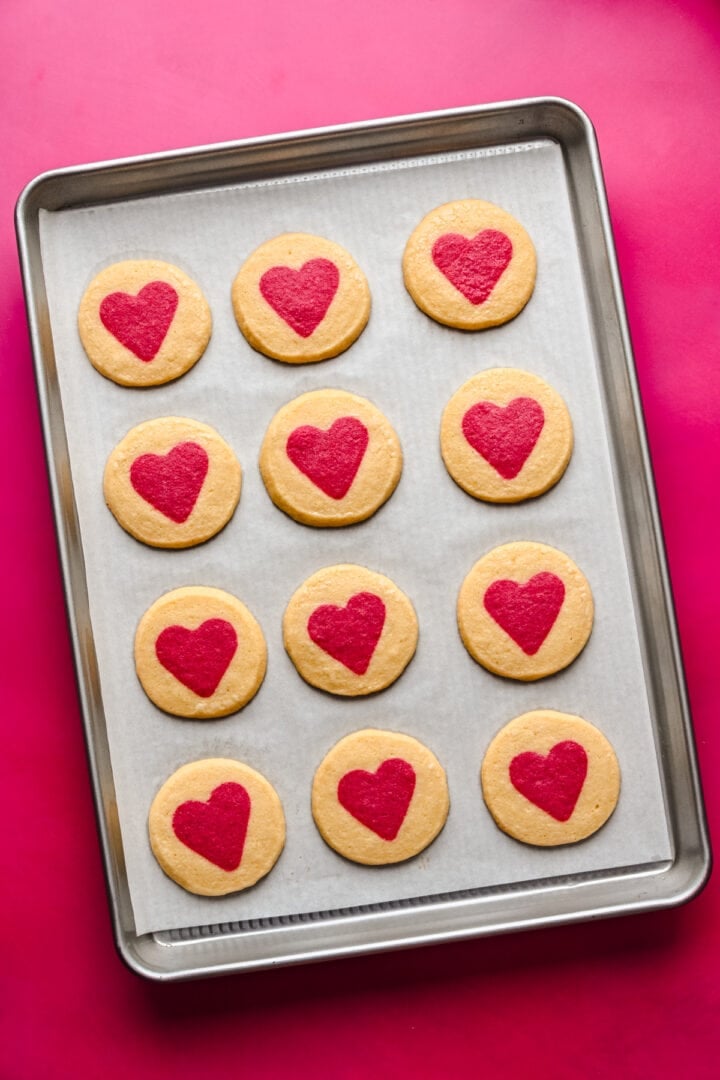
379, 797
199, 653
470, 265
143, 322
525, 611
301, 298
330, 458
216, 826
349, 630
506, 435
550, 778
172, 482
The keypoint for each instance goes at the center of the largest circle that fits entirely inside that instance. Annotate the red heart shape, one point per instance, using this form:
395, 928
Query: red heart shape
527, 613
301, 297
216, 829
329, 458
504, 436
171, 482
552, 782
349, 634
474, 266
379, 800
140, 322
198, 658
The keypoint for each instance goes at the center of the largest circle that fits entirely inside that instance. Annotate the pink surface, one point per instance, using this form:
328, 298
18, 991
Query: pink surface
82, 81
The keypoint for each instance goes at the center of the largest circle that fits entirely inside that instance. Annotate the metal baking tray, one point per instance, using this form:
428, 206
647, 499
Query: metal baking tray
370, 184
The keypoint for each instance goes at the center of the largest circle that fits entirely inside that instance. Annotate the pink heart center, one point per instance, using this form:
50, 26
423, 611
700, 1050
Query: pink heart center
198, 658
171, 482
474, 266
330, 459
527, 613
140, 322
379, 800
301, 297
504, 436
553, 782
349, 634
216, 829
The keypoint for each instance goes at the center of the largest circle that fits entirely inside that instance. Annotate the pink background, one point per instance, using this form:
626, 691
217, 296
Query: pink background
82, 81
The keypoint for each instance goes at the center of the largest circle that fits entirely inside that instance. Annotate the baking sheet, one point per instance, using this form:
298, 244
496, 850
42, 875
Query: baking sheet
426, 537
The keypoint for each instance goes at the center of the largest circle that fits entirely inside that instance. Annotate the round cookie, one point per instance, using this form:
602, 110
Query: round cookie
549, 778
330, 458
172, 482
379, 797
506, 436
216, 827
143, 322
301, 298
199, 653
349, 630
470, 265
525, 611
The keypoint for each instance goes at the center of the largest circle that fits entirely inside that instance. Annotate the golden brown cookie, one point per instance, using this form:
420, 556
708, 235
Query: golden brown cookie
525, 611
379, 797
330, 458
143, 322
506, 435
216, 826
199, 653
550, 778
349, 630
301, 298
172, 482
470, 265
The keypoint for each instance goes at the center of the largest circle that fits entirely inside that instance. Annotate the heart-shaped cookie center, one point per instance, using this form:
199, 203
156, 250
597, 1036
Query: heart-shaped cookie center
301, 297
473, 265
349, 634
526, 612
198, 658
171, 482
330, 459
141, 322
216, 829
553, 781
504, 436
379, 800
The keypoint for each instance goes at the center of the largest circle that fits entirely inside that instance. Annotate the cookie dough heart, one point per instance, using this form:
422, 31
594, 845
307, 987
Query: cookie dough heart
329, 458
198, 658
473, 265
349, 634
504, 436
301, 297
216, 829
553, 781
171, 482
141, 322
379, 800
527, 613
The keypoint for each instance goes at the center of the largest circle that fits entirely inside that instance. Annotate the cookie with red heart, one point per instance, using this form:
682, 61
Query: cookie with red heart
172, 482
470, 264
199, 653
330, 458
143, 322
506, 435
550, 778
216, 826
349, 630
379, 797
525, 611
301, 298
